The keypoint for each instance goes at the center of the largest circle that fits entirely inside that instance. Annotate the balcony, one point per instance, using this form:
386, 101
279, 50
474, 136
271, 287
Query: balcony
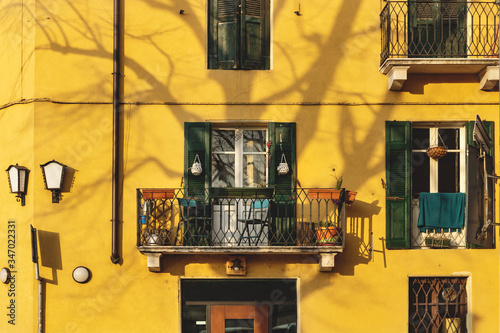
438, 37
241, 221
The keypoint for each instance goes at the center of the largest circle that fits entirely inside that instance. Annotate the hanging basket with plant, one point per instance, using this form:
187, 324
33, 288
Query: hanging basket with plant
438, 151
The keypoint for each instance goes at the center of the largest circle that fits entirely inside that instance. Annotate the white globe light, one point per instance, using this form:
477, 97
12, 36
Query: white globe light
81, 274
5, 275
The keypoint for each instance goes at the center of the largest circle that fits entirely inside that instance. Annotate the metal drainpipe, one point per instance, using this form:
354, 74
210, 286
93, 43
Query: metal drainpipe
115, 255
498, 47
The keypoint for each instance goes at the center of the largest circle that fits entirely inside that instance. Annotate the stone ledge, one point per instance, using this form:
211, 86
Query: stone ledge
326, 254
397, 69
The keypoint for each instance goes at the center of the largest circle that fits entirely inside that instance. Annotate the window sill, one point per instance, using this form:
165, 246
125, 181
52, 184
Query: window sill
397, 69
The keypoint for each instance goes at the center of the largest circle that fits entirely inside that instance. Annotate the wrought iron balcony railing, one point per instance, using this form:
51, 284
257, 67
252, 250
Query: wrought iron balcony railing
241, 217
439, 29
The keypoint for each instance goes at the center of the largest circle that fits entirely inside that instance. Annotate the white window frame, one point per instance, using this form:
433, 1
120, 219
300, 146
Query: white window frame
458, 239
434, 141
239, 153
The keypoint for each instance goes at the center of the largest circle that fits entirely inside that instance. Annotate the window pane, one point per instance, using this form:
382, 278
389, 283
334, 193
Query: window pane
239, 325
222, 170
450, 138
194, 318
254, 141
421, 172
254, 170
420, 137
223, 140
448, 173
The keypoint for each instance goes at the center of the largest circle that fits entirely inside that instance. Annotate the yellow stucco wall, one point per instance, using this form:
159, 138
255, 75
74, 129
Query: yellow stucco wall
324, 77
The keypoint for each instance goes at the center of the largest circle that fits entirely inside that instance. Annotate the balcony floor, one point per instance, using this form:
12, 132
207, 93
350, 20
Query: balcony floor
240, 249
439, 66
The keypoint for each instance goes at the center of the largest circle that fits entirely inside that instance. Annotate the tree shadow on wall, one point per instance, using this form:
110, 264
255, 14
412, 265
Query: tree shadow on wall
359, 237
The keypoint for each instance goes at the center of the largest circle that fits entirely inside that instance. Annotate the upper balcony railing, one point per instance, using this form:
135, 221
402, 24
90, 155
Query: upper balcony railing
439, 29
173, 219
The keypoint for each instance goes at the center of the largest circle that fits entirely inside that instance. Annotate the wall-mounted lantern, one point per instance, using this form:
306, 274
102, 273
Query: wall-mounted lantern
53, 176
5, 275
18, 181
81, 274
236, 266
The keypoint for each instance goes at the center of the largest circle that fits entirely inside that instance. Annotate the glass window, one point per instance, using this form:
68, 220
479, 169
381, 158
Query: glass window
239, 158
445, 174
239, 325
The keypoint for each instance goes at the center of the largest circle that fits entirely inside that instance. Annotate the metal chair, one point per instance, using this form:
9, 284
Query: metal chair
258, 215
195, 218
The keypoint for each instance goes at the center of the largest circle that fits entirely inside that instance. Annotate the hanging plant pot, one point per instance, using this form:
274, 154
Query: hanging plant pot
196, 168
437, 152
283, 166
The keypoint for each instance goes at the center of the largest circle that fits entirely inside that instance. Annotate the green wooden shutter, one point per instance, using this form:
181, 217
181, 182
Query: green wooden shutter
254, 34
398, 185
223, 34
282, 138
475, 190
490, 128
197, 141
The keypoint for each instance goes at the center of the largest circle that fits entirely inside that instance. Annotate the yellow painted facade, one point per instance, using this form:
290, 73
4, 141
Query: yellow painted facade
56, 96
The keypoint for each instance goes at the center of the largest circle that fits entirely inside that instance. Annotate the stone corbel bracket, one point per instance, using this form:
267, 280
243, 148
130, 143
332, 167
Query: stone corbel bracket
397, 76
326, 261
154, 261
489, 78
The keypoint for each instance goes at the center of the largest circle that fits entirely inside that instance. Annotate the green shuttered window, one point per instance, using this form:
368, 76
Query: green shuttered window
198, 136
238, 34
407, 175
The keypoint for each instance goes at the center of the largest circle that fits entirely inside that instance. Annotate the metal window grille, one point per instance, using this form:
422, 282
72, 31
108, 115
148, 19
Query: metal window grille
438, 304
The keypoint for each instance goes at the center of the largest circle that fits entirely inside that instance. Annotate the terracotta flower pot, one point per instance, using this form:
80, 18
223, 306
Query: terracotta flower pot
324, 193
328, 236
163, 193
350, 196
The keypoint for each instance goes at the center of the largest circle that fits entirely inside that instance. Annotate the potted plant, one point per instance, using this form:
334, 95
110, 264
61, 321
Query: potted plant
327, 234
336, 194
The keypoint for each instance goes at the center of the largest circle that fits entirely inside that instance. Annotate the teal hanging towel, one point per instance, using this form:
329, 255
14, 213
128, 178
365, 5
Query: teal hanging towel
440, 211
